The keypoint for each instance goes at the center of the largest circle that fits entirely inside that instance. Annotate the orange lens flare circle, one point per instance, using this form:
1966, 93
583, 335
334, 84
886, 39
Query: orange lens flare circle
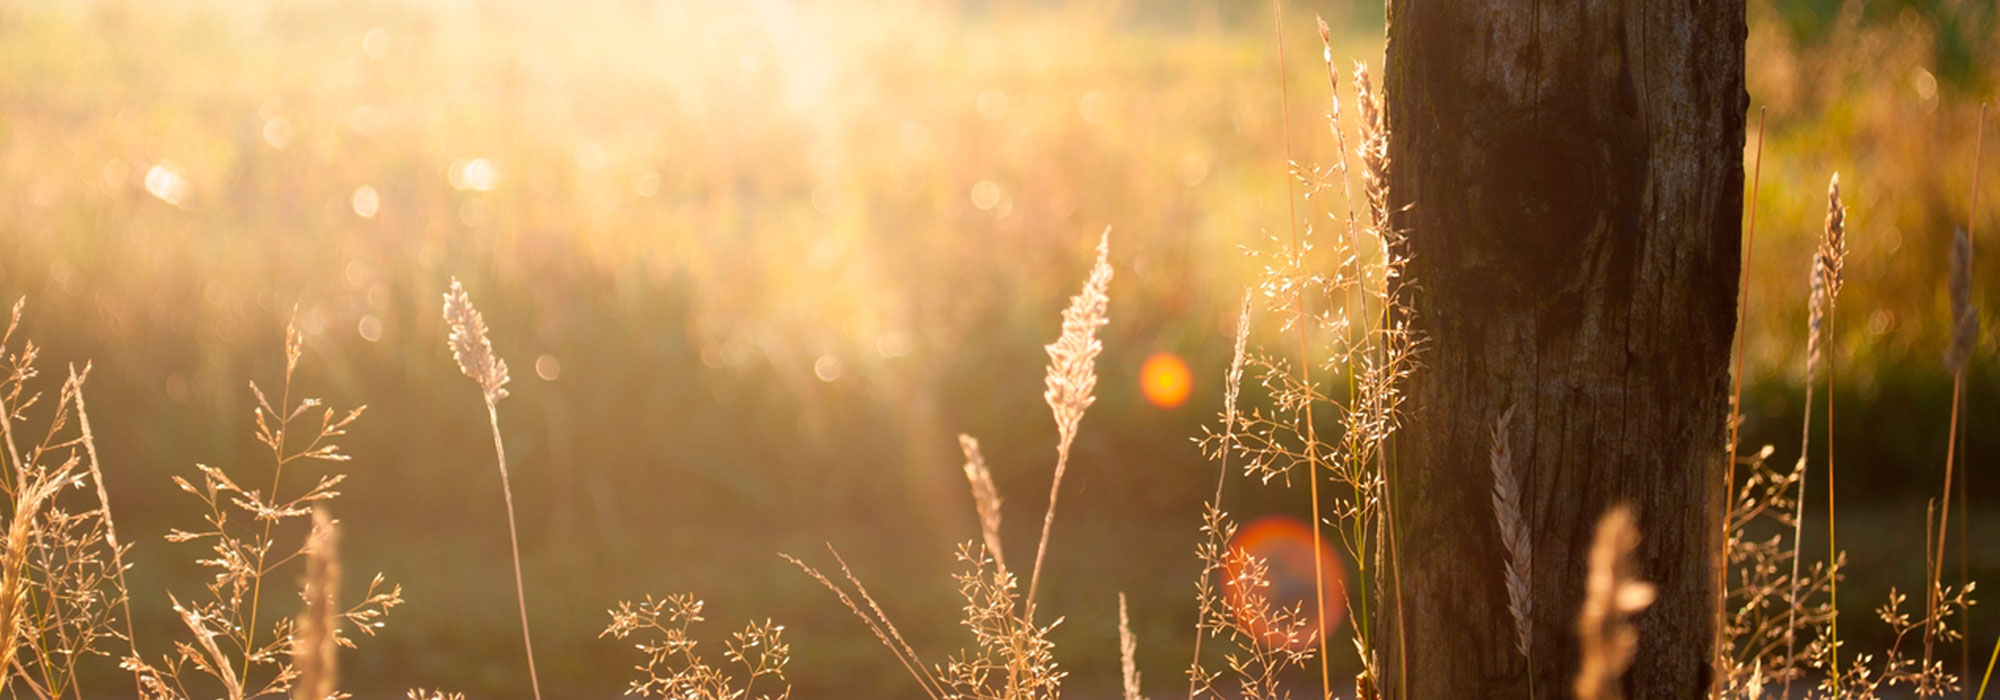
1278, 611
1165, 380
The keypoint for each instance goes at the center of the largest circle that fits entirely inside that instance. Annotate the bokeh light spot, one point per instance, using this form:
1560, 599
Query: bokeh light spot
548, 367
1285, 545
477, 174
165, 182
985, 195
828, 368
1165, 380
370, 328
278, 133
366, 202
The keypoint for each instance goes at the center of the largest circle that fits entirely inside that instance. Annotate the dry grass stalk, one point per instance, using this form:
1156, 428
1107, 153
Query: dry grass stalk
1507, 503
1071, 382
1269, 637
474, 353
1217, 446
1358, 281
1612, 594
315, 645
879, 624
64, 576
1720, 659
89, 442
985, 498
1011, 660
1763, 619
15, 584
1825, 285
1297, 303
1127, 648
674, 670
251, 535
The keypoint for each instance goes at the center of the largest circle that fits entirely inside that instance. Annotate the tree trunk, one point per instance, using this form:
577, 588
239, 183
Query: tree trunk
1573, 177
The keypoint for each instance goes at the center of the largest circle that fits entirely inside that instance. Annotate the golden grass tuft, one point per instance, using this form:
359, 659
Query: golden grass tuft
1507, 504
470, 346
315, 645
1071, 383
985, 498
1127, 648
1612, 594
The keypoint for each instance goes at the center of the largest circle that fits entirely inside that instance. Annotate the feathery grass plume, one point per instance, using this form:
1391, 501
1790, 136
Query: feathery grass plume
1964, 316
315, 651
1612, 594
474, 353
674, 670
251, 535
1507, 504
1339, 134
15, 614
1374, 151
985, 498
1824, 288
1127, 647
1072, 377
1379, 391
1359, 283
470, 346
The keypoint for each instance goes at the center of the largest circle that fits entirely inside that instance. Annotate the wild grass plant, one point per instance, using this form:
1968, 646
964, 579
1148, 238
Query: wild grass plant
474, 353
251, 536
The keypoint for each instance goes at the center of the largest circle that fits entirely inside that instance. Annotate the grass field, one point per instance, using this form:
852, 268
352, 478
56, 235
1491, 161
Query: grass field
755, 265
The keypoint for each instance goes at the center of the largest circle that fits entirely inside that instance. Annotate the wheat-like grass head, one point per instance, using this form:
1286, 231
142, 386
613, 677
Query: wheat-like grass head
1072, 375
470, 347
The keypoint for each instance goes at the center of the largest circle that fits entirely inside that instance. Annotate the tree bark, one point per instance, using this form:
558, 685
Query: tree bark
1570, 180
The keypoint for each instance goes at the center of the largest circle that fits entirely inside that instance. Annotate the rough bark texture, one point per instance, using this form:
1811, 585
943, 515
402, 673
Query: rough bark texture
1573, 177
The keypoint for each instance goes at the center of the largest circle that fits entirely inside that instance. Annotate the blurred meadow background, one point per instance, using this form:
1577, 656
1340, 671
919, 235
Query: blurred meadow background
756, 264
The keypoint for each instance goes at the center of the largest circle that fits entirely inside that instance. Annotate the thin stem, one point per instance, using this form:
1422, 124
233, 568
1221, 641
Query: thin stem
1048, 521
1989, 670
1798, 527
1832, 548
277, 474
1944, 506
514, 540
1965, 512
1736, 403
104, 501
1957, 397
22, 672
1221, 474
1305, 360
